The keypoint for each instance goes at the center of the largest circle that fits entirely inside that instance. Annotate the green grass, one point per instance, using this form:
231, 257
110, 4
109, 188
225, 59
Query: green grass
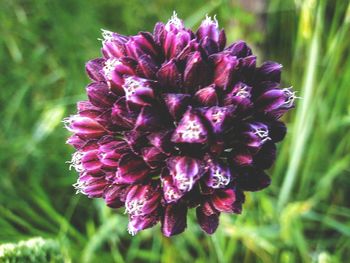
304, 216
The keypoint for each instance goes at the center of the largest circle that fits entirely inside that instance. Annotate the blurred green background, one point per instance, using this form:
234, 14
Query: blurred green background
304, 216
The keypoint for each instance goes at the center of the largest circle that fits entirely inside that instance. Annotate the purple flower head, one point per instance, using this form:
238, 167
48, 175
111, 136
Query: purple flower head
175, 120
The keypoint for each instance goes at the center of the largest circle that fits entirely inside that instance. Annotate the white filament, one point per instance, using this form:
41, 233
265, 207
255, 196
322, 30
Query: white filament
174, 21
263, 133
134, 207
208, 21
110, 65
220, 177
290, 97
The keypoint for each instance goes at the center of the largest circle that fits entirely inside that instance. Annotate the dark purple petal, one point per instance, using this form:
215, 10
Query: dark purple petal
242, 157
255, 135
146, 67
266, 156
197, 72
206, 96
277, 131
114, 195
190, 129
225, 69
162, 141
149, 120
176, 104
136, 140
185, 171
76, 141
174, 219
169, 76
131, 169
223, 200
100, 95
153, 156
121, 116
94, 69
209, 223
253, 180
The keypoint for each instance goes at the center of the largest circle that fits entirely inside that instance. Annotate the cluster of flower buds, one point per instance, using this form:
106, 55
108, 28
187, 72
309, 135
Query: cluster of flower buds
177, 120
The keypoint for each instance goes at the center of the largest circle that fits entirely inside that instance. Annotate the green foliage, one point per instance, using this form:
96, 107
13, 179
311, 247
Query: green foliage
35, 250
302, 217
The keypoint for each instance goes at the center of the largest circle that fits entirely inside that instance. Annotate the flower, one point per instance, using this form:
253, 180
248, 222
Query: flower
175, 120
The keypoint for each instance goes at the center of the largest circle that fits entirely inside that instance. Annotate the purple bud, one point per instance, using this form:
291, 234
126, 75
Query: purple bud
114, 195
131, 169
100, 95
253, 180
121, 116
242, 157
141, 44
93, 187
174, 219
277, 130
266, 156
113, 44
176, 37
185, 171
270, 70
142, 199
146, 67
209, 223
207, 96
176, 104
196, 72
239, 49
85, 127
94, 69
223, 200
276, 102
225, 68
169, 76
190, 129
90, 161
76, 141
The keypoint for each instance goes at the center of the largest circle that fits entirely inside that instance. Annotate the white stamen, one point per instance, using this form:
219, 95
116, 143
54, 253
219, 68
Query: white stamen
174, 21
263, 133
208, 21
220, 177
134, 207
110, 65
243, 92
79, 187
184, 183
132, 230
76, 162
107, 35
171, 195
290, 97
192, 131
218, 116
130, 85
